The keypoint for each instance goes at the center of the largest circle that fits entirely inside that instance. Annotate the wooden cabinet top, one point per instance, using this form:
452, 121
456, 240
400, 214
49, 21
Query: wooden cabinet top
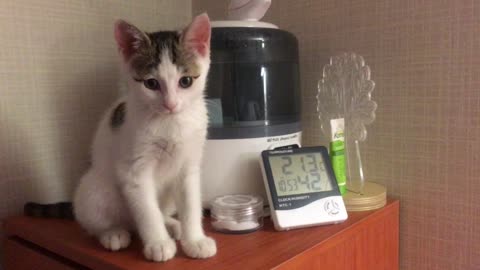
263, 249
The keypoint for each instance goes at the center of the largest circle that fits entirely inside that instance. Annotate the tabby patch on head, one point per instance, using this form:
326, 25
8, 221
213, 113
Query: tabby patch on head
118, 115
144, 50
149, 57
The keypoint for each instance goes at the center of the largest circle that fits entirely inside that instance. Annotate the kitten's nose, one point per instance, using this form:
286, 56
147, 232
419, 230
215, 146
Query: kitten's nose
170, 106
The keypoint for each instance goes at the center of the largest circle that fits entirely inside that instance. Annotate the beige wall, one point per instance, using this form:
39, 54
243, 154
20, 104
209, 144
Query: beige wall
58, 72
425, 144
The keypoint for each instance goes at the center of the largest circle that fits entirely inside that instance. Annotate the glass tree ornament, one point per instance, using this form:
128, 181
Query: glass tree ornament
345, 92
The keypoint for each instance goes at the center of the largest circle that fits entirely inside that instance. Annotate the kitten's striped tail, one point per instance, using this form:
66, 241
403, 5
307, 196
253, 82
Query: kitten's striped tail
56, 210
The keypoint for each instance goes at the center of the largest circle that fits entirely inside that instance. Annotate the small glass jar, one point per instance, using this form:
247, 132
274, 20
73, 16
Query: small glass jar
237, 214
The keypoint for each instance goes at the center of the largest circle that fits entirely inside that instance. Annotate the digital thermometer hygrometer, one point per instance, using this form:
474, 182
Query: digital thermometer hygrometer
301, 188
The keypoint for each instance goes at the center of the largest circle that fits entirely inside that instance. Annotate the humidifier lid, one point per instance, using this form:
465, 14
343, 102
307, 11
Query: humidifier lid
247, 24
245, 13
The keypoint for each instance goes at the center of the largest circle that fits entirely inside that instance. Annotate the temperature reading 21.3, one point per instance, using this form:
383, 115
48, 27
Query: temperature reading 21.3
296, 174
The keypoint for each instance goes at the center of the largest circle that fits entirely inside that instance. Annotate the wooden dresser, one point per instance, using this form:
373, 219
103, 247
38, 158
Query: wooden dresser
366, 241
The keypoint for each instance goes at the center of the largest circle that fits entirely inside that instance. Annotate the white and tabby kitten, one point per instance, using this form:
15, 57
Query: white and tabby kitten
148, 147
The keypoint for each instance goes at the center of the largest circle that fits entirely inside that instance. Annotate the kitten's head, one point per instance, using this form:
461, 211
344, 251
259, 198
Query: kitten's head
167, 69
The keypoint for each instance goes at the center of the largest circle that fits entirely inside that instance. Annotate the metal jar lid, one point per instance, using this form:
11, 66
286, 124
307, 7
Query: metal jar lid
236, 207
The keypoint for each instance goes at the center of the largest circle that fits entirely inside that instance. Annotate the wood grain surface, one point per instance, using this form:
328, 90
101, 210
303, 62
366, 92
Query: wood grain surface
367, 240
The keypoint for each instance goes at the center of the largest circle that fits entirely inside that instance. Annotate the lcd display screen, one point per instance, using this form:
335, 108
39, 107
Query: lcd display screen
299, 174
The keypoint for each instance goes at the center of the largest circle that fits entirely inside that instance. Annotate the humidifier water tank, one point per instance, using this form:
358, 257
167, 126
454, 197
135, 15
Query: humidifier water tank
253, 100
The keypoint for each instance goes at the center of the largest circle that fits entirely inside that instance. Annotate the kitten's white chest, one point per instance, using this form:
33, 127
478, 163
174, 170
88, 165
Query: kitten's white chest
169, 156
168, 142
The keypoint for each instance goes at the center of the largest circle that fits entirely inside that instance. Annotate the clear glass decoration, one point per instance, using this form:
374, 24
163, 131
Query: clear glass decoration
345, 92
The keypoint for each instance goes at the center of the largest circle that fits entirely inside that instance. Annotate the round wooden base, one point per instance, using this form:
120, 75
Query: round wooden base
372, 197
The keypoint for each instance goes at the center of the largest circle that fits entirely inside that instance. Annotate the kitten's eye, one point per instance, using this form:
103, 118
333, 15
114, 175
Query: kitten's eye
185, 81
152, 84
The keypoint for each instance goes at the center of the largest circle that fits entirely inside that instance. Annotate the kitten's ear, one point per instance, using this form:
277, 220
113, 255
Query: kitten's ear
196, 36
129, 39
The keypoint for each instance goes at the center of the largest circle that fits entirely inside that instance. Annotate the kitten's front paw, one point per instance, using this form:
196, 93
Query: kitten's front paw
115, 239
203, 248
160, 251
